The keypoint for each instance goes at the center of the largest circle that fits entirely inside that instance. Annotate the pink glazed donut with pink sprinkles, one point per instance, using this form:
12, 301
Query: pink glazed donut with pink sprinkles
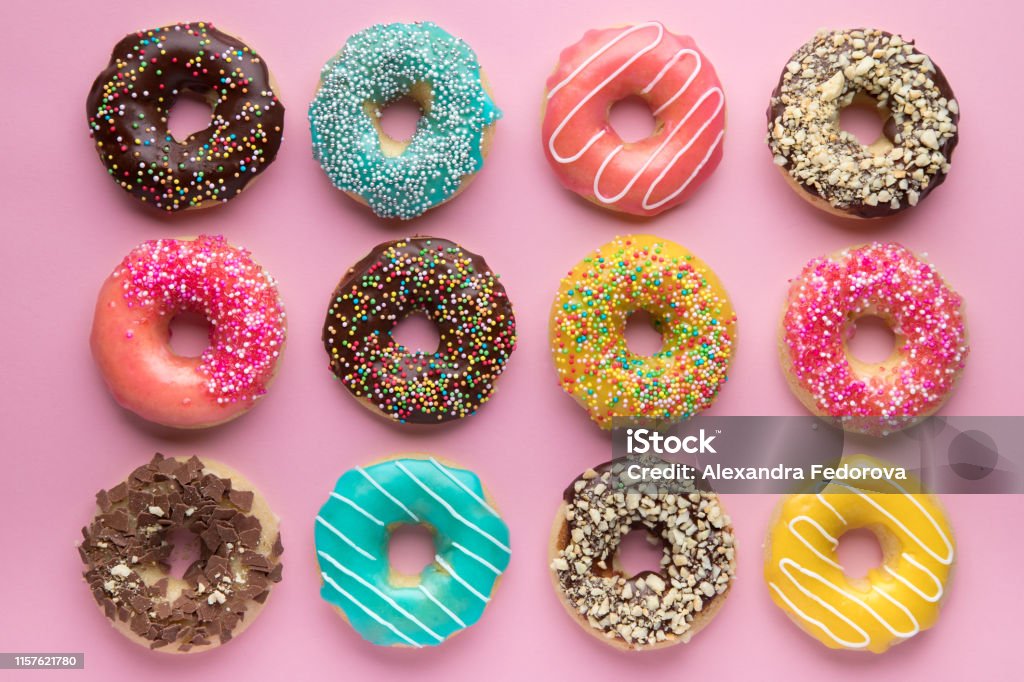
923, 312
131, 329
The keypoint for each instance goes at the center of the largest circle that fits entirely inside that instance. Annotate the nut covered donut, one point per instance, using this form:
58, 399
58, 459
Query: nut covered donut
131, 330
924, 313
682, 90
827, 165
130, 100
127, 550
895, 601
689, 307
354, 526
652, 609
458, 292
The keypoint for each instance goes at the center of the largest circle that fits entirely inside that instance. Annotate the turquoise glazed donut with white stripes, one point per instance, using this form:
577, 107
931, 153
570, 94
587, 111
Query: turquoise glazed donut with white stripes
381, 65
352, 533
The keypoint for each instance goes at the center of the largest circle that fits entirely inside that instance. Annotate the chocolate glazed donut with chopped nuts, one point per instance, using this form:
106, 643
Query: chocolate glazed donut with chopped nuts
126, 552
650, 610
129, 104
828, 166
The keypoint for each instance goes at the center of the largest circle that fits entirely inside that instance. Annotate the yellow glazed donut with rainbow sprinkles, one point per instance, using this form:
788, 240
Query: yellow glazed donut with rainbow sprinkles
688, 305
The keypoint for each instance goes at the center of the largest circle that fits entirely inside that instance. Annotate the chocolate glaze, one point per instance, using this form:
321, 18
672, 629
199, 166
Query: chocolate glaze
373, 366
776, 108
130, 100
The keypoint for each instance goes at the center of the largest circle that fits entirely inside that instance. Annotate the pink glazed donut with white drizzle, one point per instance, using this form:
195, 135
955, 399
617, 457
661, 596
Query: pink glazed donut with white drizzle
162, 278
884, 280
681, 88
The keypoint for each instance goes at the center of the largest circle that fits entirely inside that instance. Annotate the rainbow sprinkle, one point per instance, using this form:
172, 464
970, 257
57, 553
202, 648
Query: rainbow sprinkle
129, 104
689, 307
458, 292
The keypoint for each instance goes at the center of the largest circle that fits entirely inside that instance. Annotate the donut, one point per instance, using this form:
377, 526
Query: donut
828, 166
354, 526
924, 313
381, 65
458, 292
896, 600
689, 307
682, 90
155, 282
126, 551
650, 610
129, 103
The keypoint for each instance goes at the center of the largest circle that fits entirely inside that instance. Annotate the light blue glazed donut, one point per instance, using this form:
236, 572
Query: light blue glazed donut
352, 533
378, 66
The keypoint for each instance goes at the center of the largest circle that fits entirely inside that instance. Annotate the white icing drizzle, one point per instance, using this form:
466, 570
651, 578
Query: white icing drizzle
459, 579
444, 470
711, 92
388, 495
372, 614
451, 510
473, 555
388, 600
326, 524
808, 545
788, 566
357, 508
441, 606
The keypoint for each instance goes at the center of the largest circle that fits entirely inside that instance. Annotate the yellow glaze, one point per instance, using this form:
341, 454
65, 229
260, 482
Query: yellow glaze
687, 304
894, 601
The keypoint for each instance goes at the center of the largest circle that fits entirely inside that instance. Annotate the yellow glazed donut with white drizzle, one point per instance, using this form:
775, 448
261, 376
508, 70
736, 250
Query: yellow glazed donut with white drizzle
896, 600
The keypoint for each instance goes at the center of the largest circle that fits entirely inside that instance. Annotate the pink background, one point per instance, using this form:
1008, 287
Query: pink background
68, 225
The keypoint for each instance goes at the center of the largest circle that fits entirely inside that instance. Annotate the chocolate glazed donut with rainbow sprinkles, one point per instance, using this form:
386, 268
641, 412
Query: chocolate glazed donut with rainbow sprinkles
130, 100
458, 292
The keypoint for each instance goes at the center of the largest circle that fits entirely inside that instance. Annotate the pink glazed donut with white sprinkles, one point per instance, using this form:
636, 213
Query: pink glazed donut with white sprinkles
131, 329
923, 312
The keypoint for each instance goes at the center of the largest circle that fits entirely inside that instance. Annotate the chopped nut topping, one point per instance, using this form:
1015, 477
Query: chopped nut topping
823, 77
642, 610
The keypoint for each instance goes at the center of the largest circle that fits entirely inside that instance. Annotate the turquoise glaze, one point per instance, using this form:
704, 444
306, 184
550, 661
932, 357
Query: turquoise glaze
378, 66
352, 533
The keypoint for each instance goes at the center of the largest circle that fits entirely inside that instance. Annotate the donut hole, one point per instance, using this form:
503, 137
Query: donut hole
399, 119
865, 120
871, 339
410, 549
190, 113
184, 550
643, 337
631, 119
396, 121
639, 552
188, 334
859, 551
418, 332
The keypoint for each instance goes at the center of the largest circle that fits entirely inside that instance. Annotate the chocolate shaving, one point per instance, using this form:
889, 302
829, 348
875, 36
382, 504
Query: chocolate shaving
241, 499
128, 534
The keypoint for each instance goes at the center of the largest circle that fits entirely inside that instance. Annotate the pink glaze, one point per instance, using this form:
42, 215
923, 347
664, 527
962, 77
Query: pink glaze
681, 88
886, 280
130, 333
